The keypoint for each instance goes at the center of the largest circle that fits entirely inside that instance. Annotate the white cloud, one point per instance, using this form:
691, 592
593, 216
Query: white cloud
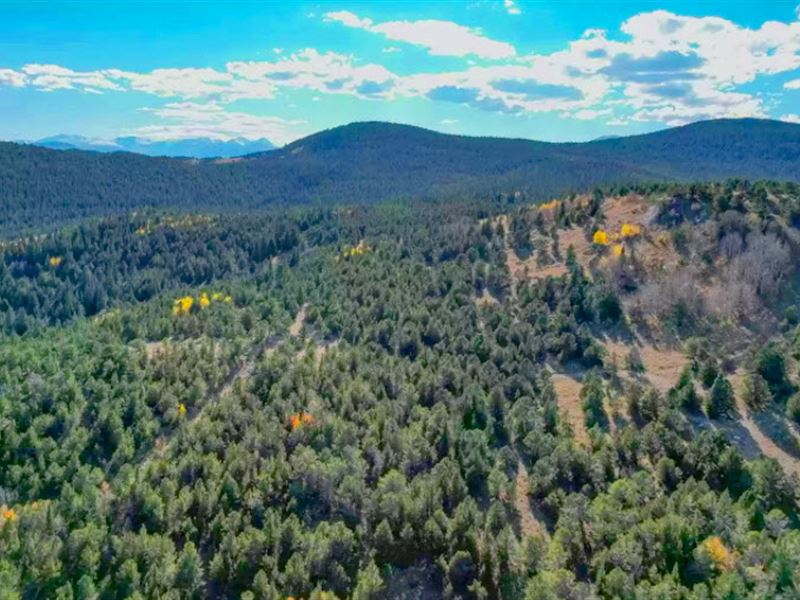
511, 7
448, 122
587, 114
329, 73
12, 78
54, 77
664, 67
184, 83
791, 118
349, 19
191, 119
441, 38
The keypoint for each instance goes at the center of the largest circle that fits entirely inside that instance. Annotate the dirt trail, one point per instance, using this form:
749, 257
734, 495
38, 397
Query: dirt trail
528, 523
511, 256
242, 372
568, 395
297, 325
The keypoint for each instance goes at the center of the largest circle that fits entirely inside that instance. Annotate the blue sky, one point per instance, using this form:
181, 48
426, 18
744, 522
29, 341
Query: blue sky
543, 70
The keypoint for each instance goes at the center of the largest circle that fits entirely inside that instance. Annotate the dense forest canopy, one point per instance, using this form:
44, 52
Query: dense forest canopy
367, 162
458, 399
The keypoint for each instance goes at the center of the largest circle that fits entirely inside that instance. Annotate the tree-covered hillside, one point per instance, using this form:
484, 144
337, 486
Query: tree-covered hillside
368, 162
596, 397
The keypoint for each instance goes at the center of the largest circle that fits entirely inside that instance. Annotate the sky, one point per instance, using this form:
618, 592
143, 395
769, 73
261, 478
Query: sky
556, 71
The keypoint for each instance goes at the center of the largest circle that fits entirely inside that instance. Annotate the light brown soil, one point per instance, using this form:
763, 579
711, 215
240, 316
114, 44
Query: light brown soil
297, 325
663, 365
756, 425
755, 434
528, 523
625, 209
320, 350
527, 269
652, 248
485, 299
568, 392
154, 349
574, 237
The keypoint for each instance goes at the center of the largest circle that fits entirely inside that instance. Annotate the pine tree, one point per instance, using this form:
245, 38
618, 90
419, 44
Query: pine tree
720, 399
755, 391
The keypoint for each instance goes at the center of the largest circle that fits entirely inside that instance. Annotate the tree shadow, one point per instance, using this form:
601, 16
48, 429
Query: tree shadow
736, 433
775, 426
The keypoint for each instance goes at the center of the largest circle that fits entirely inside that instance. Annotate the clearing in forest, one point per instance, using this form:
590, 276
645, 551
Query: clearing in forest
653, 249
524, 269
662, 365
568, 395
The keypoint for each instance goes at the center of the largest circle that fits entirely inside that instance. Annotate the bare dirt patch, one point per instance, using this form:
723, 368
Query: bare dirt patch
485, 299
297, 325
768, 428
757, 434
525, 269
155, 349
652, 247
663, 365
568, 394
529, 524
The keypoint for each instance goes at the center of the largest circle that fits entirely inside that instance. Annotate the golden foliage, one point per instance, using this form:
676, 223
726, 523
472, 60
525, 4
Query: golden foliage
618, 250
600, 238
553, 204
55, 261
630, 230
182, 306
301, 419
716, 550
359, 250
8, 515
181, 409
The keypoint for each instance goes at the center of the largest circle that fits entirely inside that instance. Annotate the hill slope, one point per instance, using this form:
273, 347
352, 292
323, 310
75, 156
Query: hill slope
597, 399
374, 161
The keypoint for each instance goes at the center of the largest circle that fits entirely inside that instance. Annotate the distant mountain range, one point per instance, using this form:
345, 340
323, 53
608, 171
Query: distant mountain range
189, 147
367, 162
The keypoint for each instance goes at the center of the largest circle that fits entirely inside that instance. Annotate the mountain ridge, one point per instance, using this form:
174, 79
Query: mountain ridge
196, 147
373, 161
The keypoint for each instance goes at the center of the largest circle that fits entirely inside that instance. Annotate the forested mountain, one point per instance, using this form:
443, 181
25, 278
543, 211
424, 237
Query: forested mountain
187, 147
593, 397
368, 162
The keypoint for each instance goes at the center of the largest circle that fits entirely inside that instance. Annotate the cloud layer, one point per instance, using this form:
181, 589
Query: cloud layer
659, 67
440, 38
